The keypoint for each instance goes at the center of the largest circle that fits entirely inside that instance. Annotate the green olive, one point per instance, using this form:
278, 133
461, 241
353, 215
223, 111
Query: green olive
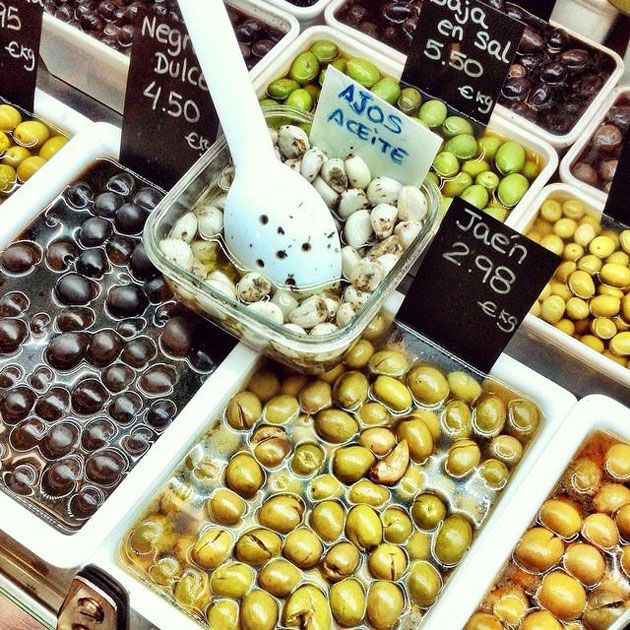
373, 413
232, 580
303, 548
281, 89
368, 492
562, 595
335, 425
385, 604
307, 459
305, 68
10, 117
340, 562
409, 101
428, 511
359, 354
419, 546
244, 475
510, 157
257, 546
307, 608
523, 419
182, 548
428, 385
223, 615
379, 440
560, 517
31, 133
433, 113
457, 419
463, 457
293, 384
165, 572
455, 186
225, 507
363, 527
347, 602
243, 410
490, 416
418, 436
315, 397
584, 562
52, 146
512, 189
538, 550
259, 611
392, 393
350, 463
29, 166
495, 473
327, 519
604, 608
506, 449
281, 409
387, 562
389, 363
423, 584
363, 72
397, 525
325, 487
279, 577
265, 384
271, 445
325, 50
154, 534
281, 512
350, 390
453, 539
213, 548
193, 590
583, 477
463, 146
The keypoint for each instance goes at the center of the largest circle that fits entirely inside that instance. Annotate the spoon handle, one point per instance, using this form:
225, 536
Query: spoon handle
228, 80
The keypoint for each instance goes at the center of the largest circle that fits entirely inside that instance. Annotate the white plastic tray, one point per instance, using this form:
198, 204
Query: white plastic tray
58, 114
496, 542
592, 18
554, 402
559, 142
307, 16
350, 46
540, 329
576, 150
101, 72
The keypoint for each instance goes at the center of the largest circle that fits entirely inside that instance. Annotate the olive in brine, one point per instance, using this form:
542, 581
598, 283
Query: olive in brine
507, 449
347, 602
389, 363
494, 473
418, 437
359, 354
307, 459
539, 620
509, 604
279, 577
617, 461
562, 595
373, 413
397, 525
212, 548
232, 580
327, 519
293, 384
463, 386
538, 550
243, 410
560, 517
193, 590
394, 394
265, 384
582, 478
257, 546
340, 562
385, 604
601, 531
165, 572
271, 445
463, 457
315, 397
419, 546
303, 548
428, 511
622, 520
584, 562
428, 385
387, 562
604, 607
335, 425
610, 497
224, 614
225, 507
379, 440
490, 416
364, 528
457, 419
453, 539
325, 487
244, 475
486, 621
259, 611
350, 390
154, 534
523, 419
423, 584
281, 409
366, 491
282, 513
307, 608
350, 463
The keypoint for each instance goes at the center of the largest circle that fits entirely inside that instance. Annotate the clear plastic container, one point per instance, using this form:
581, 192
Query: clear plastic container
310, 354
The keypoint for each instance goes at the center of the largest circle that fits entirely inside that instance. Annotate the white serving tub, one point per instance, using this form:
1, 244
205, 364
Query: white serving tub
307, 16
498, 539
351, 46
591, 18
576, 150
101, 72
534, 326
559, 142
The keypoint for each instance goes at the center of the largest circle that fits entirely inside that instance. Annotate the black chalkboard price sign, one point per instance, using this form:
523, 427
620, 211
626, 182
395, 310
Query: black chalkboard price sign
461, 53
20, 33
618, 202
169, 120
476, 283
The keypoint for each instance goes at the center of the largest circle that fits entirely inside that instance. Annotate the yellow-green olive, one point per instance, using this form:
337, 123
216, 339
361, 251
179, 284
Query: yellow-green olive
428, 511
225, 507
463, 457
377, 327
359, 354
453, 539
52, 146
327, 519
392, 393
244, 475
506, 449
387, 562
583, 477
350, 463
366, 491
490, 415
397, 525
293, 384
154, 534
464, 386
279, 577
307, 459
457, 419
333, 374
428, 385
373, 413
379, 440
243, 410
385, 604
271, 445
423, 584
335, 425
212, 548
562, 595
350, 390
610, 497
615, 275
495, 473
182, 548
259, 611
307, 608
281, 512
340, 562
363, 527
325, 487
315, 397
561, 518
193, 590
265, 384
31, 133
540, 620
585, 563
617, 461
509, 604
604, 607
419, 546
538, 550
347, 602
232, 580
257, 546
389, 363
281, 409
10, 117
303, 548
600, 530
165, 572
485, 621
418, 437
622, 520
523, 419
223, 615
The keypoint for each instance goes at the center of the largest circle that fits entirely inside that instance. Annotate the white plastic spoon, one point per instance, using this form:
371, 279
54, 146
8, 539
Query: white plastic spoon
275, 221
